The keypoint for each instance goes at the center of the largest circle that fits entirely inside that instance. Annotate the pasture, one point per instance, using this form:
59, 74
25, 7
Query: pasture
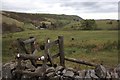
93, 46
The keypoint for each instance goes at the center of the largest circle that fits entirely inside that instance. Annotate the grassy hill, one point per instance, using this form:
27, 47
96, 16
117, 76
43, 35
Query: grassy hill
28, 21
12, 25
52, 21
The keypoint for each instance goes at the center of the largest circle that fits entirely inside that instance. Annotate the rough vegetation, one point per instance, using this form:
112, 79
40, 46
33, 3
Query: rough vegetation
90, 40
93, 46
51, 21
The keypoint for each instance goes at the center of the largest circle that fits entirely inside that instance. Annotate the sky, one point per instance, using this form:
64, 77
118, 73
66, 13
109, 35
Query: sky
87, 9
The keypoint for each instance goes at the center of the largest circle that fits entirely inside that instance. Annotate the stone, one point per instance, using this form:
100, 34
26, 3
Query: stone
71, 69
11, 65
87, 75
7, 69
69, 74
6, 73
108, 75
59, 68
50, 74
24, 77
100, 71
82, 73
59, 72
50, 69
39, 71
67, 78
118, 70
56, 78
45, 72
41, 78
29, 65
92, 74
114, 75
78, 78
64, 71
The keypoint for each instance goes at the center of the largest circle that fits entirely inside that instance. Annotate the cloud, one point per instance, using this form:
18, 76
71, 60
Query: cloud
99, 15
97, 7
26, 5
71, 7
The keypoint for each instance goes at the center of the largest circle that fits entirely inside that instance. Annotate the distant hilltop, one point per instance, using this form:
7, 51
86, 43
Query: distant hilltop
32, 20
17, 21
32, 17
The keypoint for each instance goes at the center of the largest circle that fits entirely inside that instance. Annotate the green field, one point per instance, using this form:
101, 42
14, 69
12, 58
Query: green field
97, 46
92, 46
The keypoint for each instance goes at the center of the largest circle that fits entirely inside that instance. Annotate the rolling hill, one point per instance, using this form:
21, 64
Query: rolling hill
30, 21
15, 22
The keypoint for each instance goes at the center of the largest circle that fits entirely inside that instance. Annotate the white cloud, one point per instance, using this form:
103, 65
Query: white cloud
99, 15
93, 0
72, 7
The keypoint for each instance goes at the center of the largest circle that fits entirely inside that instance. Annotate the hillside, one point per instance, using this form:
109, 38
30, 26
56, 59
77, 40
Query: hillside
15, 22
51, 21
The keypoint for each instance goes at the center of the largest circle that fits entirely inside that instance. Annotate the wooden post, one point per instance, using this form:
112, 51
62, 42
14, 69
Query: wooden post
61, 51
81, 62
48, 54
32, 51
18, 62
45, 55
32, 45
46, 51
22, 45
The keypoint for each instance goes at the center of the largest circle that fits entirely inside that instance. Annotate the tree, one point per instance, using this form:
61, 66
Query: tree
88, 24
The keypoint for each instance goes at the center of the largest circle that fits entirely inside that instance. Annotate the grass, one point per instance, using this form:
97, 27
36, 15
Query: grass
10, 21
79, 48
64, 22
103, 24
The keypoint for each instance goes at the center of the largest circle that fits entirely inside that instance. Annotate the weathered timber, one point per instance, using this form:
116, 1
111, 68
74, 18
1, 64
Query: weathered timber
28, 57
48, 52
22, 45
61, 51
52, 43
80, 61
32, 44
31, 40
34, 57
55, 56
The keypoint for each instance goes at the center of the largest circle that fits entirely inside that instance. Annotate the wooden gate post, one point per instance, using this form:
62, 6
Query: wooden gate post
32, 45
61, 51
45, 52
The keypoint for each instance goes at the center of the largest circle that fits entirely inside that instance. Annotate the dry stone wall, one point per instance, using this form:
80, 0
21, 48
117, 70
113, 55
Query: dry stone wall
58, 73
